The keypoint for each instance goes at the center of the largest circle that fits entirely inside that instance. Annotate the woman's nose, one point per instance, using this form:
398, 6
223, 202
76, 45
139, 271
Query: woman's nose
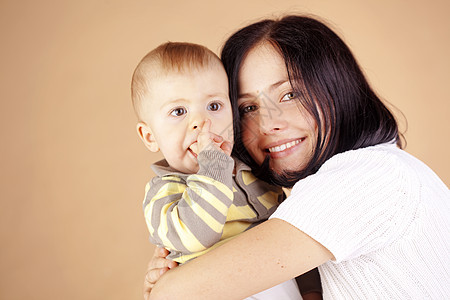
271, 121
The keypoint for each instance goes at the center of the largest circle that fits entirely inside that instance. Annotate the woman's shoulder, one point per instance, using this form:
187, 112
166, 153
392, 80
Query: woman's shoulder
383, 158
382, 166
367, 155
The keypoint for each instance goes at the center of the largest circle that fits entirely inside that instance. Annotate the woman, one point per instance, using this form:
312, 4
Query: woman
372, 217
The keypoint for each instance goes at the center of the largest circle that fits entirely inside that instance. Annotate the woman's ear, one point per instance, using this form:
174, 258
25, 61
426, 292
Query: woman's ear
147, 136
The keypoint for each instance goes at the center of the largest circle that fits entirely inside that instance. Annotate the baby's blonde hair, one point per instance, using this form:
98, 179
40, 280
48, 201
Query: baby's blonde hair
167, 58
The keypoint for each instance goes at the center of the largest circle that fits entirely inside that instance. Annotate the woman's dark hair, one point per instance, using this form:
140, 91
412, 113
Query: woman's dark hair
333, 89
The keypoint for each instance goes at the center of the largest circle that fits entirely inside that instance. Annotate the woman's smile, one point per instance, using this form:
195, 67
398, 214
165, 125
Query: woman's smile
282, 146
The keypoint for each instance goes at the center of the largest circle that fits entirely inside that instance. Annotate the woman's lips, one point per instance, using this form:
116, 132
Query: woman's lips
285, 146
283, 149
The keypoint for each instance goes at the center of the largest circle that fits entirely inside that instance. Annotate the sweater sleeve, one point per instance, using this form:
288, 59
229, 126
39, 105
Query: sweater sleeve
187, 216
358, 202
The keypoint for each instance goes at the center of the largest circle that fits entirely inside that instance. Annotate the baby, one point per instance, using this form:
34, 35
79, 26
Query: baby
201, 196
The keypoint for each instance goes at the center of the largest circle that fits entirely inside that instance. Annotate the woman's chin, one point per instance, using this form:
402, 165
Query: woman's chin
283, 168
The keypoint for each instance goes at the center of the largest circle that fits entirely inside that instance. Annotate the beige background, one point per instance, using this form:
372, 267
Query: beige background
73, 169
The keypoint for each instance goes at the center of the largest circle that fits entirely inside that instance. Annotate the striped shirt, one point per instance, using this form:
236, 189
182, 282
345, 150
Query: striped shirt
190, 214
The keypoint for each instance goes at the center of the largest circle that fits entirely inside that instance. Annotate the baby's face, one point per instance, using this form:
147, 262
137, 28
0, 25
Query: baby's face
177, 106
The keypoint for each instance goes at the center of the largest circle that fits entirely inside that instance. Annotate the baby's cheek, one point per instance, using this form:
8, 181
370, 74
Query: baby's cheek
229, 134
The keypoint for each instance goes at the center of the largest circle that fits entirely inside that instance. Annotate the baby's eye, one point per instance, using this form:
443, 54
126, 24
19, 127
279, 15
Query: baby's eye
248, 109
289, 96
179, 111
214, 106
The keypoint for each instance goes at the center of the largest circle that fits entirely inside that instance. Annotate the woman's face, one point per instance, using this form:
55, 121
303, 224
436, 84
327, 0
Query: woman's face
273, 121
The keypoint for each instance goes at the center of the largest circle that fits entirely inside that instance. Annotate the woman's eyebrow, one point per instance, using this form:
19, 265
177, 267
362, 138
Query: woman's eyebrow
271, 88
277, 84
246, 95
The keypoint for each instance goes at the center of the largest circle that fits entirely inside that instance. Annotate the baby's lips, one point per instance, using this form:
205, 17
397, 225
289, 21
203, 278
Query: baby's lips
194, 147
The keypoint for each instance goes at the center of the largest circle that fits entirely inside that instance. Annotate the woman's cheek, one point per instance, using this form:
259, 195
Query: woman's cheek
250, 139
249, 130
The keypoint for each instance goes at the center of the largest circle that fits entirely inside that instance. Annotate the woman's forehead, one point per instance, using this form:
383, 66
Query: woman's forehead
262, 68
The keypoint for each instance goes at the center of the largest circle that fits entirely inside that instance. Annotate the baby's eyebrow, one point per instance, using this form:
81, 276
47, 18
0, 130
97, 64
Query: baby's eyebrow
216, 95
172, 102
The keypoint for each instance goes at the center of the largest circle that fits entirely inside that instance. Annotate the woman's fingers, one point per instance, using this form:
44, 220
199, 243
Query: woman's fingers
160, 252
151, 278
157, 266
158, 263
159, 260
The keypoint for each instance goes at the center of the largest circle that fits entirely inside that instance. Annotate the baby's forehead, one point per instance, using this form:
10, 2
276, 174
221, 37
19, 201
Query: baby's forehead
206, 79
157, 73
186, 68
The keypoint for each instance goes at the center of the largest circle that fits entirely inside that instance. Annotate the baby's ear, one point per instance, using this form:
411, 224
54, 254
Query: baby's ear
146, 135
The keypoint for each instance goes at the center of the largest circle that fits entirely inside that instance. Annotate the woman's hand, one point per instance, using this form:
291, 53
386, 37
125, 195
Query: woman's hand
157, 266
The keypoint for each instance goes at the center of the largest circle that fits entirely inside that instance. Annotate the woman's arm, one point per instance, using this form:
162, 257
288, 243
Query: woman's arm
257, 259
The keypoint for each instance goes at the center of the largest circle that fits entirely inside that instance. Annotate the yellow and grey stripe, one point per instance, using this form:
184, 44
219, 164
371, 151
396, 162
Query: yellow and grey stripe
190, 214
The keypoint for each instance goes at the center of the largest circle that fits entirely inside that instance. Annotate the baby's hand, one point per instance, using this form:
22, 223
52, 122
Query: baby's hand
208, 140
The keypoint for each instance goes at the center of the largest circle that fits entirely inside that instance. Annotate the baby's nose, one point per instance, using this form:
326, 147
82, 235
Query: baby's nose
197, 121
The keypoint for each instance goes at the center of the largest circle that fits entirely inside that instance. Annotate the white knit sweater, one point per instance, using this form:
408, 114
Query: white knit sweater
385, 216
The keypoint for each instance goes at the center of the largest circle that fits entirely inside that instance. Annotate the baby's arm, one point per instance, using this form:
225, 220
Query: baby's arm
188, 215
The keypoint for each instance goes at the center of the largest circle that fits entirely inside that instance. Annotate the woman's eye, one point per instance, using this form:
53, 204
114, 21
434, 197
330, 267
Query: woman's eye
248, 109
179, 111
289, 96
215, 106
